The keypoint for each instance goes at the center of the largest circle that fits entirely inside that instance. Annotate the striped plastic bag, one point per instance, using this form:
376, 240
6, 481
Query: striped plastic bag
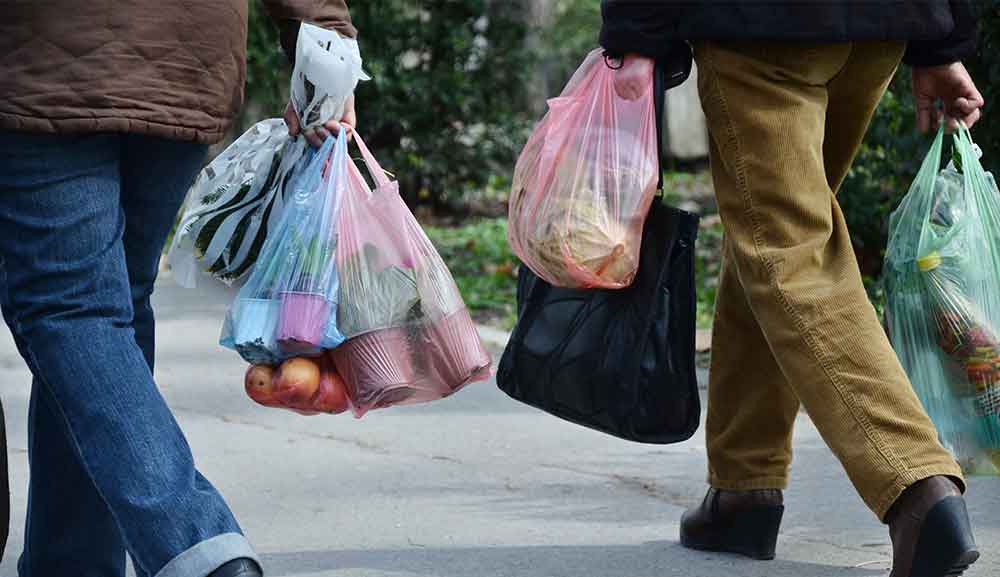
238, 198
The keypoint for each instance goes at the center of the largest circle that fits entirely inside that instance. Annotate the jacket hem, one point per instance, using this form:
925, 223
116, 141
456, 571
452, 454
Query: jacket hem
89, 124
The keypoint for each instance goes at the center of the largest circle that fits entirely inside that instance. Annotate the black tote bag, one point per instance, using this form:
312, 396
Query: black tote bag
618, 361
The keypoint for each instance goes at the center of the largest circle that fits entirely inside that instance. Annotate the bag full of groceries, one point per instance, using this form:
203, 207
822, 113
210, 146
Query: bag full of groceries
409, 334
351, 262
288, 305
942, 279
584, 182
238, 199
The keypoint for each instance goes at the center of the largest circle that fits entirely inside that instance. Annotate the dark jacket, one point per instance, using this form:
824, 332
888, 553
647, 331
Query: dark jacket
167, 68
938, 31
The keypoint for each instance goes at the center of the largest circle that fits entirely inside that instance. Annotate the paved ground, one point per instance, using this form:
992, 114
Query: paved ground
476, 485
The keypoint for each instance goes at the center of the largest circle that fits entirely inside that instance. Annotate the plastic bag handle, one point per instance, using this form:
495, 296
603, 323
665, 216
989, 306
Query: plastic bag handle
373, 166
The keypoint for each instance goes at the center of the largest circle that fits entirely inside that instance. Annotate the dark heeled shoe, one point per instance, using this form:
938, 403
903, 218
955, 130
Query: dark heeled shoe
742, 522
930, 531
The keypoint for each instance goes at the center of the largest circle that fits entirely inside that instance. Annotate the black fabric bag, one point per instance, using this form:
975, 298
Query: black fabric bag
618, 361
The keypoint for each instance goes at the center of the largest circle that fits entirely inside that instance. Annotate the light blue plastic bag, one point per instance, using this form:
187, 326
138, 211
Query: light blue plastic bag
288, 306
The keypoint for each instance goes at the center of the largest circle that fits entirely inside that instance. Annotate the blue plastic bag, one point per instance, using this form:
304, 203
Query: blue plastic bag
288, 306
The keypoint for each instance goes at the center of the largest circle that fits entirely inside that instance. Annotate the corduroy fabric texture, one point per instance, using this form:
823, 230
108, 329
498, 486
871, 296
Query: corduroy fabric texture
793, 322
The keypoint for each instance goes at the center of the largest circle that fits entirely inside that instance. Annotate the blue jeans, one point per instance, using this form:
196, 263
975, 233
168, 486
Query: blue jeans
82, 223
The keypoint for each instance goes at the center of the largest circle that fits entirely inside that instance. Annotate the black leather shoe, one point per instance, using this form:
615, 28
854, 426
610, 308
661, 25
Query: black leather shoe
742, 522
238, 568
930, 531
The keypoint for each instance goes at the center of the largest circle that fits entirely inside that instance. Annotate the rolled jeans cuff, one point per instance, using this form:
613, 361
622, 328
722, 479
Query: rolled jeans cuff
209, 555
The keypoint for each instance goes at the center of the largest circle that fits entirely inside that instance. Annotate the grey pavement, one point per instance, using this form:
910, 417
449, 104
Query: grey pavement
475, 485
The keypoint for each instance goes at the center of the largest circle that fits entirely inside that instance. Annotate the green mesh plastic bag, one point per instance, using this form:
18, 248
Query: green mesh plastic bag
942, 279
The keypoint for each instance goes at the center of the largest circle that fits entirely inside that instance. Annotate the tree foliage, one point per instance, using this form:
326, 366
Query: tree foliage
445, 107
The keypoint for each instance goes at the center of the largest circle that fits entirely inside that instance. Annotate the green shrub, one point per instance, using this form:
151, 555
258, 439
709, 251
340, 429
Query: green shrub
572, 32
445, 110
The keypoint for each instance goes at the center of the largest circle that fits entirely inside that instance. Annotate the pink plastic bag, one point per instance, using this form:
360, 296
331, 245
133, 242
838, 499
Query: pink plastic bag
409, 335
584, 183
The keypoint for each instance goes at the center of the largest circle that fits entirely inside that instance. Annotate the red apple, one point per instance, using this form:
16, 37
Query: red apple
332, 397
259, 384
296, 382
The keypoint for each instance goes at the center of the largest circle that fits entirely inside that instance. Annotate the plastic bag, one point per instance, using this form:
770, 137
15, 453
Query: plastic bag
618, 361
235, 201
942, 278
238, 198
584, 183
327, 68
410, 336
288, 305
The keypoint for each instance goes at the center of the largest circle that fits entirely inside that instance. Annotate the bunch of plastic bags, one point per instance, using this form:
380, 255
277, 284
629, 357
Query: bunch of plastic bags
584, 183
350, 295
239, 197
942, 277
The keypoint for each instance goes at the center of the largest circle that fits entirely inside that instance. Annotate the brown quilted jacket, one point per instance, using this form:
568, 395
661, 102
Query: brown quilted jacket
169, 68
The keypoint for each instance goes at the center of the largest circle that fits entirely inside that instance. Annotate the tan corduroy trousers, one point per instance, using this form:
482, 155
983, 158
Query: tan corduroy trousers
793, 323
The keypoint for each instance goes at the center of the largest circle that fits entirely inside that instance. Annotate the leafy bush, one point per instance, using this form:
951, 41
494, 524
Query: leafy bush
268, 70
985, 69
445, 108
572, 32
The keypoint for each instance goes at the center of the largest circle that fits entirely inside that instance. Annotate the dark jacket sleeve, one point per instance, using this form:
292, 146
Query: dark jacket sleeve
288, 14
959, 45
634, 28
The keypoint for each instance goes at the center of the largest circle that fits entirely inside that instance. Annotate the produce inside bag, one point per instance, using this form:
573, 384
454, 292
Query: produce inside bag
308, 386
409, 335
584, 182
943, 302
238, 199
288, 306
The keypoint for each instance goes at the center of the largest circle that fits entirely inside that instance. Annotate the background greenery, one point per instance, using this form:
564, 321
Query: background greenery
450, 105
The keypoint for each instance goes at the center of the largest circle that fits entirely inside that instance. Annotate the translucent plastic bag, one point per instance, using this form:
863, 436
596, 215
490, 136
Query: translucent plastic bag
239, 197
410, 336
288, 305
942, 278
584, 182
233, 204
327, 68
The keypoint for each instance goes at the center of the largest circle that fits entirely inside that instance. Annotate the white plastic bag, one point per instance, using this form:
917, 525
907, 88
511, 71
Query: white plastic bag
327, 69
234, 202
238, 198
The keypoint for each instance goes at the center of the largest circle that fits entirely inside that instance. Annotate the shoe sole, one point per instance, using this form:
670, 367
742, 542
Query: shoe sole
753, 534
945, 547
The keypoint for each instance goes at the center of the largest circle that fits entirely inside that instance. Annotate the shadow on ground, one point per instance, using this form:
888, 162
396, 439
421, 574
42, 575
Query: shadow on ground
653, 559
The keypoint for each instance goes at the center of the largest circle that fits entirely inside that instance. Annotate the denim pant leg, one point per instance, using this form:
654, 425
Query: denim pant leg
72, 531
68, 528
69, 303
